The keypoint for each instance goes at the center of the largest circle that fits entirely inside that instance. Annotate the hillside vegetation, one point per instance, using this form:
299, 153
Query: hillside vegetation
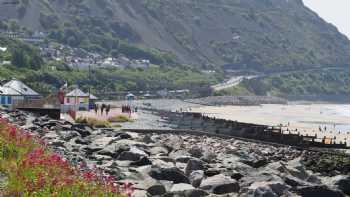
265, 35
46, 77
332, 83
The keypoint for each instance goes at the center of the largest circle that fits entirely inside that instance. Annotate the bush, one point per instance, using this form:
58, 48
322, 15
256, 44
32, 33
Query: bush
120, 118
33, 170
93, 122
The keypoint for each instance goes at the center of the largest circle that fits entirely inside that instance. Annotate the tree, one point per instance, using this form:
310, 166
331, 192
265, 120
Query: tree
13, 25
19, 58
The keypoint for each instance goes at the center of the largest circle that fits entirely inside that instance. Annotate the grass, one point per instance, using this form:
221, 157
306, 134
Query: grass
93, 122
33, 170
120, 119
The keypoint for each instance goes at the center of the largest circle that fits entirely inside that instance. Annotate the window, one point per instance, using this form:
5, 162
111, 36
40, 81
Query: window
3, 100
68, 100
9, 100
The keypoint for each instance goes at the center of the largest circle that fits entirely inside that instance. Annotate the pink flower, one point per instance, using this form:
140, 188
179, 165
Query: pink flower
13, 133
88, 175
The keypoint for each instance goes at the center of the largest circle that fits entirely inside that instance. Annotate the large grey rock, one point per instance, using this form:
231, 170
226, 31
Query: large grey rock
341, 182
169, 174
179, 154
159, 163
156, 189
193, 165
82, 141
158, 150
122, 135
143, 161
183, 159
297, 169
196, 151
208, 156
187, 193
268, 189
256, 161
68, 135
140, 193
319, 191
134, 154
220, 184
82, 129
173, 142
196, 178
115, 149
181, 187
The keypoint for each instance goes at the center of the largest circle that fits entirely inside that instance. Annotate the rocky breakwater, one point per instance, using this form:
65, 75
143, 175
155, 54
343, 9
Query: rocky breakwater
170, 165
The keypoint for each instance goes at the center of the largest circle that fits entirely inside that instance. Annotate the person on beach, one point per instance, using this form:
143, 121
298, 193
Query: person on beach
96, 108
102, 108
108, 108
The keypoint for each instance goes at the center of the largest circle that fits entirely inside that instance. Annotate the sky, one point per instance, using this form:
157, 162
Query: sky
336, 12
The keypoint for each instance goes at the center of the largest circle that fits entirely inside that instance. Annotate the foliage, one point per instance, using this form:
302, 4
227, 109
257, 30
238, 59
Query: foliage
315, 82
33, 170
22, 55
238, 90
49, 77
119, 118
93, 122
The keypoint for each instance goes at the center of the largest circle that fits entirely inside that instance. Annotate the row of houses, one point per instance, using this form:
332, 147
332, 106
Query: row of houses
81, 59
35, 37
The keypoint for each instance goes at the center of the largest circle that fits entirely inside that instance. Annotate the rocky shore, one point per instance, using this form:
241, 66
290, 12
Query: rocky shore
170, 165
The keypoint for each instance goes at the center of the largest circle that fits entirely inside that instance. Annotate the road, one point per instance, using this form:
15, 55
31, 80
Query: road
233, 81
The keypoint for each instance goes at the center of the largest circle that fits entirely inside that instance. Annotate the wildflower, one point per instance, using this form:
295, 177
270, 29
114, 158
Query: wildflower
68, 181
13, 133
42, 142
81, 165
27, 136
89, 176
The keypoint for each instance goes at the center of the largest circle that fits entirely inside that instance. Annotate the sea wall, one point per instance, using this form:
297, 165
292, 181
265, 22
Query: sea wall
199, 122
237, 100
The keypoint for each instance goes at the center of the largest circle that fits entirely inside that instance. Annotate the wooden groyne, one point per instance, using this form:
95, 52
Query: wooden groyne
237, 100
198, 122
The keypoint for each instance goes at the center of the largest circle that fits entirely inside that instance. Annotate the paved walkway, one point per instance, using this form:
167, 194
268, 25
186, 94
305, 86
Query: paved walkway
114, 112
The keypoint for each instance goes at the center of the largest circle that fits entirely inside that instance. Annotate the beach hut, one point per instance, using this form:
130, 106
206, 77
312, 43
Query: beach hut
130, 97
76, 100
16, 92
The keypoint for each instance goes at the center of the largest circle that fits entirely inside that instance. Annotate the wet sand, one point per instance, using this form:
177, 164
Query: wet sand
306, 119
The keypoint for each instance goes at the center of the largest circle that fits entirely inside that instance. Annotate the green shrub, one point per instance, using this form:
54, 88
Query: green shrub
120, 118
93, 122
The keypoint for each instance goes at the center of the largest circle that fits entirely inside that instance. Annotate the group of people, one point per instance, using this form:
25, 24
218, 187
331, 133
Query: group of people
128, 109
103, 108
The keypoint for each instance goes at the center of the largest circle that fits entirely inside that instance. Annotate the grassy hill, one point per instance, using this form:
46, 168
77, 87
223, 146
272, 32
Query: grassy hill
46, 77
264, 35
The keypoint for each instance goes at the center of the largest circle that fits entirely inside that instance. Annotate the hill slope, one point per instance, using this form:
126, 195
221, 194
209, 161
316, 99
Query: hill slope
263, 35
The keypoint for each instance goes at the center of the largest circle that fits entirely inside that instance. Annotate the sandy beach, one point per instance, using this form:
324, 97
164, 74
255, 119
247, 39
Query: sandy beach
334, 120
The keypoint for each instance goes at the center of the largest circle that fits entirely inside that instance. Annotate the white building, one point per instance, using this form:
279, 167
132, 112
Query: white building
15, 92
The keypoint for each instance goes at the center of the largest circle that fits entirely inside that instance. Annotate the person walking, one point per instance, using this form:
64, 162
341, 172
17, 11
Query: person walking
102, 108
108, 108
96, 108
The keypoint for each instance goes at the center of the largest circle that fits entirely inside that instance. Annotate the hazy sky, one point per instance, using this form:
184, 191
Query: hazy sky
336, 12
